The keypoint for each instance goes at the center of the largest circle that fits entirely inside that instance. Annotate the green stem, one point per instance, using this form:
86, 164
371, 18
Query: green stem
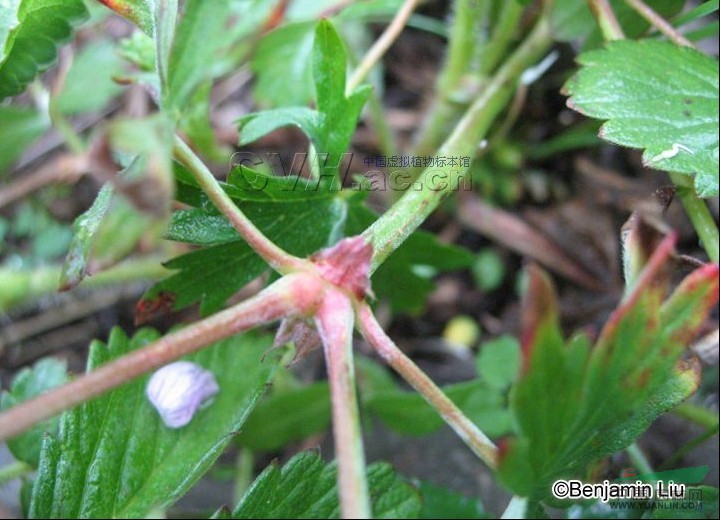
14, 470
292, 295
465, 38
396, 224
696, 414
280, 260
382, 44
690, 446
334, 320
505, 29
609, 25
17, 287
471, 435
245, 463
639, 460
699, 214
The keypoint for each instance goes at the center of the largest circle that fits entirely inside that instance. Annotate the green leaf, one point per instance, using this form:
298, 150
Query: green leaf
498, 361
333, 124
30, 35
194, 47
572, 20
409, 414
676, 126
573, 404
114, 458
84, 229
258, 124
146, 146
213, 274
286, 416
28, 383
282, 65
305, 488
198, 128
440, 503
89, 84
139, 12
19, 128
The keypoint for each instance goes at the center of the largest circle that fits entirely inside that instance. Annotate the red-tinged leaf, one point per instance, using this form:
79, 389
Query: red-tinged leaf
161, 303
138, 12
539, 314
641, 237
573, 407
689, 306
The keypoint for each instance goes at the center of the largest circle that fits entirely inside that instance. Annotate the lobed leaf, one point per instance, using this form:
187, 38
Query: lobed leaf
30, 35
574, 405
676, 126
28, 383
114, 458
305, 487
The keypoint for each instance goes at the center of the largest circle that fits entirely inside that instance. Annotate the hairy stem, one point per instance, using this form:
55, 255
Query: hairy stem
382, 44
396, 224
280, 260
699, 214
291, 295
659, 22
403, 365
465, 37
334, 321
608, 22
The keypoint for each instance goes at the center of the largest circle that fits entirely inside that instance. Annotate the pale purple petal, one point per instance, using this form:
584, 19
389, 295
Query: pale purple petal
178, 390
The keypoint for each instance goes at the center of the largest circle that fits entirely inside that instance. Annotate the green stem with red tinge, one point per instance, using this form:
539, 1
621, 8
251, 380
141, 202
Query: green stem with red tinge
277, 258
471, 435
293, 295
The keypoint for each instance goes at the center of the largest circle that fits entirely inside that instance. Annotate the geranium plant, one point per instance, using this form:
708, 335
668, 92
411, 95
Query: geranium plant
115, 443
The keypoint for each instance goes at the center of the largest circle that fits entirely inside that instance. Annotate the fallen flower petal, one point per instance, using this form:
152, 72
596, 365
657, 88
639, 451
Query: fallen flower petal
178, 390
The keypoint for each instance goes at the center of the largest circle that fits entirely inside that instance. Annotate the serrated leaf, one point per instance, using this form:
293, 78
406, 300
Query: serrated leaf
99, 61
331, 126
287, 416
676, 126
28, 383
440, 503
282, 65
574, 405
305, 488
211, 275
194, 47
19, 128
30, 36
114, 458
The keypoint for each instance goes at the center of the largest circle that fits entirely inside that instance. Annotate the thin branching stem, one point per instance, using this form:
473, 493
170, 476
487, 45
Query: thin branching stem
280, 260
295, 294
411, 210
403, 365
608, 22
382, 44
659, 23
